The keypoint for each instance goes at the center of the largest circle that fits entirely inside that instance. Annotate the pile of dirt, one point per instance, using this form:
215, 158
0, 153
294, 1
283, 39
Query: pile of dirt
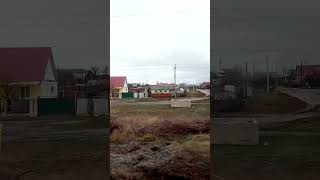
151, 160
161, 126
177, 127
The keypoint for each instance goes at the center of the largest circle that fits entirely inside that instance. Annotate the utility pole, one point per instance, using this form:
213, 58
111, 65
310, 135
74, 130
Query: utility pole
253, 70
268, 87
175, 81
301, 73
220, 63
246, 88
276, 75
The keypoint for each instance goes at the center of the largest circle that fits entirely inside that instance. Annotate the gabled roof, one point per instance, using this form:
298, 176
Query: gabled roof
117, 81
24, 64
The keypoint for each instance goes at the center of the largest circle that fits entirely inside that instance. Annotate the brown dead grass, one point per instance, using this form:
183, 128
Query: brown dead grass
142, 128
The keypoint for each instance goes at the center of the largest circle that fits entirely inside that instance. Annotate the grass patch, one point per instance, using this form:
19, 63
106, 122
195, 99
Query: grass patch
146, 129
272, 103
201, 110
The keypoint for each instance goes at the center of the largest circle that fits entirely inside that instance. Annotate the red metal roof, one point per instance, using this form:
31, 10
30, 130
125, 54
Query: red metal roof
24, 64
117, 81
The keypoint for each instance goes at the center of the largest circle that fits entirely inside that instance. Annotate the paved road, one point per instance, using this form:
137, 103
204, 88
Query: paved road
47, 130
310, 96
205, 91
273, 118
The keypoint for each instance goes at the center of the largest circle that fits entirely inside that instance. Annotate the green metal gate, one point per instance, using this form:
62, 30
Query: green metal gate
56, 106
127, 95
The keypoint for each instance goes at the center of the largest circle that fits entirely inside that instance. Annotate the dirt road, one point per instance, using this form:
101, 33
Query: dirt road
310, 96
50, 130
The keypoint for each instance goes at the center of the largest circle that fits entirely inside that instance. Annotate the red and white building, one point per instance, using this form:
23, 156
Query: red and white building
25, 75
162, 90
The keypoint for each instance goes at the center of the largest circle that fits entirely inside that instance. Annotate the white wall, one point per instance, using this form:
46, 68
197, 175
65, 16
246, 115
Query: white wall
82, 105
125, 87
49, 75
100, 107
49, 89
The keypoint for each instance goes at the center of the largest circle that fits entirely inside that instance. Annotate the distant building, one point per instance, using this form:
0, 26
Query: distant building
139, 92
308, 71
310, 74
118, 85
205, 85
72, 82
162, 90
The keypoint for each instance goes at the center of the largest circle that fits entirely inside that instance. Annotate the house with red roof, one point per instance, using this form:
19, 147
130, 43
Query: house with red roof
118, 85
26, 73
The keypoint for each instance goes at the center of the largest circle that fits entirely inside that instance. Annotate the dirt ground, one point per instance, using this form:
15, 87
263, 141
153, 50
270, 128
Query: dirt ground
53, 148
272, 103
158, 142
287, 150
277, 157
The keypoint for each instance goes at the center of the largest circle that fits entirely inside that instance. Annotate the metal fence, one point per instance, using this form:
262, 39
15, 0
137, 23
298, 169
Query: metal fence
19, 106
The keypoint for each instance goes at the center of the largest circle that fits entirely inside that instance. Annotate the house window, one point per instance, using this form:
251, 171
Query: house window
25, 92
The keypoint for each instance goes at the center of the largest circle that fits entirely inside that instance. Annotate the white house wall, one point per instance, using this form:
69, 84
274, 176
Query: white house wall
49, 89
49, 75
82, 106
125, 87
100, 107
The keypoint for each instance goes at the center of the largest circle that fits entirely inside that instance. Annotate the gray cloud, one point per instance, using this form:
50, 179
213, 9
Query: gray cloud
76, 29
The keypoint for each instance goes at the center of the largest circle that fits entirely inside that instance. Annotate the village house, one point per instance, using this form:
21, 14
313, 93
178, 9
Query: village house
72, 82
162, 90
139, 92
310, 74
25, 75
118, 86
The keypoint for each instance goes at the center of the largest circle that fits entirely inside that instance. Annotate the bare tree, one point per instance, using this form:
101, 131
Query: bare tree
94, 70
106, 70
6, 92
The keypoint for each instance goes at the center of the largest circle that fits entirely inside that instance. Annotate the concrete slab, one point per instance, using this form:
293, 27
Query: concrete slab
181, 103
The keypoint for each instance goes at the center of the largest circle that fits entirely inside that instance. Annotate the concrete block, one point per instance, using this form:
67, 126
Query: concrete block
235, 131
176, 103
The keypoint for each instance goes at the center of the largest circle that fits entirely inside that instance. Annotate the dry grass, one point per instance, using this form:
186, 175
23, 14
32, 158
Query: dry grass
142, 128
160, 142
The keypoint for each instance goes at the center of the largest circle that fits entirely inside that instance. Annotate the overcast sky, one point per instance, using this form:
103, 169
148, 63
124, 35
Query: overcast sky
249, 30
75, 29
149, 36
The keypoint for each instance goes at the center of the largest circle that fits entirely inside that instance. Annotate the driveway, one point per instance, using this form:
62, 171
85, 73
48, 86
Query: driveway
309, 96
204, 91
51, 130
